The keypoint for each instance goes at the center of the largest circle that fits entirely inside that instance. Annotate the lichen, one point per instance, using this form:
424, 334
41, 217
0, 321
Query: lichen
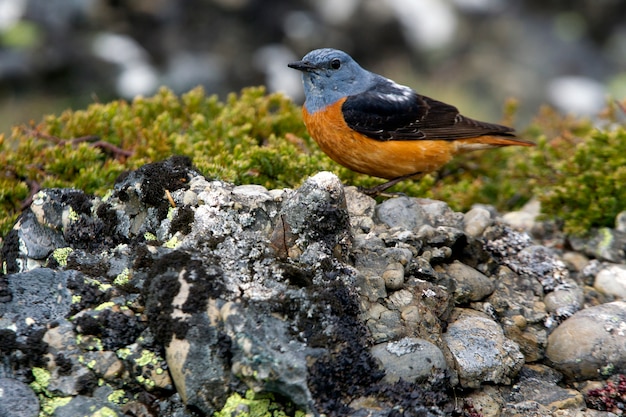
60, 255
254, 405
122, 278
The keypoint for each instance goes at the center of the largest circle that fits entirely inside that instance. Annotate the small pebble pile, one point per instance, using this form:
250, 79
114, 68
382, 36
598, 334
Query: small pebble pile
183, 296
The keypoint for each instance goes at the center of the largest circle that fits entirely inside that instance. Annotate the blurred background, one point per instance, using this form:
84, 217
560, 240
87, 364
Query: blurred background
475, 54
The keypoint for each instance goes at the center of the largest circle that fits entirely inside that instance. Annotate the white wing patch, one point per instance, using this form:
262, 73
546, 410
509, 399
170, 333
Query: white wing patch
397, 93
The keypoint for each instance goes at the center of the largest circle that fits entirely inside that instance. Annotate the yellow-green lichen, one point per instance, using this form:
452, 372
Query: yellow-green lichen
76, 299
60, 255
123, 353
122, 278
104, 412
117, 397
172, 243
104, 306
146, 358
49, 405
42, 379
72, 215
254, 405
149, 236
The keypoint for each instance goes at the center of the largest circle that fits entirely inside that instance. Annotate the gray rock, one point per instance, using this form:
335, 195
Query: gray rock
38, 297
591, 343
439, 213
604, 244
523, 219
476, 221
409, 359
402, 212
316, 214
471, 285
36, 243
480, 350
612, 281
17, 399
87, 406
565, 300
539, 383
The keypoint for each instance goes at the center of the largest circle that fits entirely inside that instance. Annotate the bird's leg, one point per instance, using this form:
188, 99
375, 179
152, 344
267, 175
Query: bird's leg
379, 189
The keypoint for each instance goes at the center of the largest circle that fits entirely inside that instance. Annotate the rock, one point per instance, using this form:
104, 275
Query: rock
476, 221
394, 276
37, 297
525, 409
524, 219
604, 244
87, 406
481, 351
612, 281
539, 383
402, 212
17, 399
440, 214
471, 285
565, 300
409, 359
591, 343
620, 222
316, 213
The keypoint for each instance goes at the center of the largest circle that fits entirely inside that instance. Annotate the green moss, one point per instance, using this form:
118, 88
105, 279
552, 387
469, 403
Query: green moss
259, 138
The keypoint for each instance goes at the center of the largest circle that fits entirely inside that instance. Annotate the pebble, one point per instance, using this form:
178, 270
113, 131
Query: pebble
471, 285
394, 276
17, 399
612, 281
565, 300
402, 212
525, 218
481, 351
476, 221
590, 344
409, 359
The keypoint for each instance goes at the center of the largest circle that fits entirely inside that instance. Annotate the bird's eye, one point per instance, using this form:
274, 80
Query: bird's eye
335, 63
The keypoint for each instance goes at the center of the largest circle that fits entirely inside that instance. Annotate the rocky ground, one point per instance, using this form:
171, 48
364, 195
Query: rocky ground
176, 295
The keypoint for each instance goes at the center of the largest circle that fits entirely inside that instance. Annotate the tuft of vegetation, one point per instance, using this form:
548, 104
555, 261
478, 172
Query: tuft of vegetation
577, 170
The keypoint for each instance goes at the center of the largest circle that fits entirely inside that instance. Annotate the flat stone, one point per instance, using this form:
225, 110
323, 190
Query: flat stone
591, 343
539, 383
409, 359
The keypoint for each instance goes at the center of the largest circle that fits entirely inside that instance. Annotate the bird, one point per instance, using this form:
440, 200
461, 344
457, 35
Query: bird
375, 126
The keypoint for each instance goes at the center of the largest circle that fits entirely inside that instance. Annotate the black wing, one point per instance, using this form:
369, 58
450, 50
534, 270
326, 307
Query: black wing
391, 112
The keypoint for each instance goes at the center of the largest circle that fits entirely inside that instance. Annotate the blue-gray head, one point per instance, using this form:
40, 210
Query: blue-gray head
329, 75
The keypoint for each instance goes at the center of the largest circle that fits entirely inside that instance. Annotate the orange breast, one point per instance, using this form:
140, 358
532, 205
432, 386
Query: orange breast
383, 159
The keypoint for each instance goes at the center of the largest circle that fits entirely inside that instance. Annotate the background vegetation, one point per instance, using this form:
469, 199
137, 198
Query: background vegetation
577, 170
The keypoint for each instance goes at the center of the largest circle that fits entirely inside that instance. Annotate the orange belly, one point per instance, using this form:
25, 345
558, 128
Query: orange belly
383, 159
386, 159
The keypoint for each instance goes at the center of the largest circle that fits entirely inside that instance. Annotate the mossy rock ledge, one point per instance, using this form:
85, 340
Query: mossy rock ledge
181, 295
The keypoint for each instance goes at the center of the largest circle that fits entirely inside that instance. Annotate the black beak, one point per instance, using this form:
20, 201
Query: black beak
303, 66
